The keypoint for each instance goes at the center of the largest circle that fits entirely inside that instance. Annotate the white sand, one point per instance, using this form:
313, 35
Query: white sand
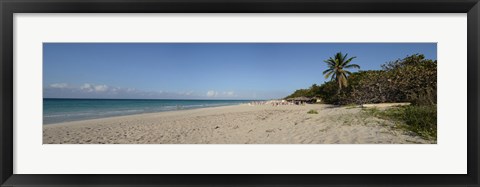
240, 124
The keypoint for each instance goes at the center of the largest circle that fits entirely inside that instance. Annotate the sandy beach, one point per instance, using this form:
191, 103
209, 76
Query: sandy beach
238, 124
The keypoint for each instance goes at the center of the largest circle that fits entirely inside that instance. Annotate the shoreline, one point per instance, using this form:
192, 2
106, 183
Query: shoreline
135, 115
234, 124
152, 112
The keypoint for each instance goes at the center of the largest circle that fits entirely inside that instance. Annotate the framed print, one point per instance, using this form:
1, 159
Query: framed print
321, 93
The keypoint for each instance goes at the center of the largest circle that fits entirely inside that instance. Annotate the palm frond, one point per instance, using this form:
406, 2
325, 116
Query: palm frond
349, 60
330, 62
334, 76
352, 66
326, 71
343, 58
339, 56
328, 74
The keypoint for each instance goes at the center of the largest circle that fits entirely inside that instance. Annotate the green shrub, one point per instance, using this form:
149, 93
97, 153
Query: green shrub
312, 112
421, 120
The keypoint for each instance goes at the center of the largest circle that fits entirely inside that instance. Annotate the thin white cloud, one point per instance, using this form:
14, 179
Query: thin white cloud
230, 93
94, 90
184, 93
224, 94
59, 85
87, 87
212, 93
101, 88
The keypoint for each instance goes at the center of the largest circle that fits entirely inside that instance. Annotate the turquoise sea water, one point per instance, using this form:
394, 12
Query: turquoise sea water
63, 110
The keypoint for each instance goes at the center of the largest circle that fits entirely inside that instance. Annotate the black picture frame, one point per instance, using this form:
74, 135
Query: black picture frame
9, 7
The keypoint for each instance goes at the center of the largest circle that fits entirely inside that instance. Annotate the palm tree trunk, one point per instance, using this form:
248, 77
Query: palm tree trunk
339, 88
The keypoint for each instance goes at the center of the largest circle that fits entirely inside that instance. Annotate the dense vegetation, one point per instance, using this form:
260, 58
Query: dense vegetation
412, 79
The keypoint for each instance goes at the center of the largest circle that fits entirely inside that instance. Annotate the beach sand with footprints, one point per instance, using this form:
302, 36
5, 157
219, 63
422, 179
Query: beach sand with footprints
237, 124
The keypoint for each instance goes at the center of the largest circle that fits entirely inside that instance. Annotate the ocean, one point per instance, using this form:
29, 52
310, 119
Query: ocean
64, 110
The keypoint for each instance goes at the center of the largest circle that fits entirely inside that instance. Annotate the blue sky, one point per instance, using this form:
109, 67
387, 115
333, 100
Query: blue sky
202, 70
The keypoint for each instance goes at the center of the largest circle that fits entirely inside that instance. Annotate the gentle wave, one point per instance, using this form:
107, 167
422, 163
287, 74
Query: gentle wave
64, 110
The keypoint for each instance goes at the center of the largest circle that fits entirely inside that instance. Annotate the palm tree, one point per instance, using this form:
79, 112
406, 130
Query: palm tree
337, 69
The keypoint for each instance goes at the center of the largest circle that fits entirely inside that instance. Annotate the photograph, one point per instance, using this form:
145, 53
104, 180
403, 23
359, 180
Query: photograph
239, 93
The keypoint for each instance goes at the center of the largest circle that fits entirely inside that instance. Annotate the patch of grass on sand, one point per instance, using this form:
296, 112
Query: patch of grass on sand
312, 112
350, 106
421, 120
